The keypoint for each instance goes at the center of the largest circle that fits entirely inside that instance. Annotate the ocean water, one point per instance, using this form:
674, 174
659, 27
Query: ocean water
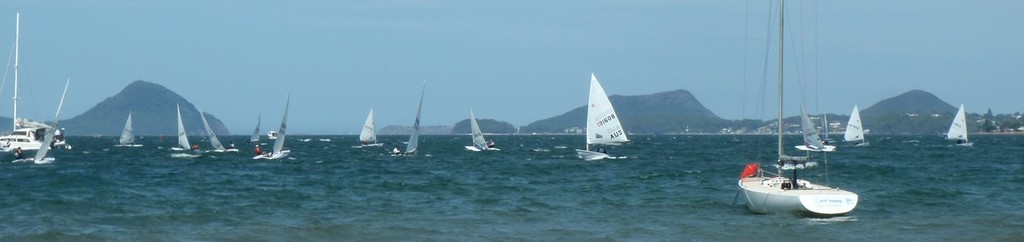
670, 188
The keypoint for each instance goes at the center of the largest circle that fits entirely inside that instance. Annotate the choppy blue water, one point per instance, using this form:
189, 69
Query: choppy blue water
670, 188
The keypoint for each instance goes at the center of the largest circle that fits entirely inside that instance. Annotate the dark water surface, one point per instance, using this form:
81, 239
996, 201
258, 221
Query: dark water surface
670, 188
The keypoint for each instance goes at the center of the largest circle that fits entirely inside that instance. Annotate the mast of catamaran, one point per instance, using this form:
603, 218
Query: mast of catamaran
781, 11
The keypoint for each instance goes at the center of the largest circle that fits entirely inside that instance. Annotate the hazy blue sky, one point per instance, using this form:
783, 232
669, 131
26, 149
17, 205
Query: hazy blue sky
517, 61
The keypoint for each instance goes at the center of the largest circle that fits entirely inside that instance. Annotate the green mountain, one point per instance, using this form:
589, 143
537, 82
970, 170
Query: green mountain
667, 112
153, 113
913, 112
488, 126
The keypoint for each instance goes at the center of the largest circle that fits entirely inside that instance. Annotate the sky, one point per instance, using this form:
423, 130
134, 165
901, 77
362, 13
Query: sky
515, 61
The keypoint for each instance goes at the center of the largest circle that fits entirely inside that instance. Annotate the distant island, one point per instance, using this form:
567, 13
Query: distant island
673, 112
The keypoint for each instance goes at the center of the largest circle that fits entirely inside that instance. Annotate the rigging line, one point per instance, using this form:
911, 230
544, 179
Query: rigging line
743, 104
7, 70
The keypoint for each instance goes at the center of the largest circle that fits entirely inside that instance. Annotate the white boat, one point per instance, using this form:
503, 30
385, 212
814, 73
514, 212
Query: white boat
272, 135
215, 144
255, 138
368, 137
26, 134
854, 130
777, 194
958, 129
40, 157
279, 151
412, 146
812, 140
603, 126
479, 143
127, 137
183, 143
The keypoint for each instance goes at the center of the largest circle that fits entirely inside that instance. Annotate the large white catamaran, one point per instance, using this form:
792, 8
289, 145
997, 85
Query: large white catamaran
26, 134
780, 194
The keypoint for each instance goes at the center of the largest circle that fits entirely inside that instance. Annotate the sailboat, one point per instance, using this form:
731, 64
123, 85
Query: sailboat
127, 137
368, 137
779, 194
812, 141
479, 143
40, 157
414, 139
279, 151
26, 133
958, 129
256, 133
603, 126
854, 130
182, 136
214, 142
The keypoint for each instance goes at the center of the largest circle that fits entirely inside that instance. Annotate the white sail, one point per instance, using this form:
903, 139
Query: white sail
958, 129
256, 133
279, 143
478, 137
415, 137
48, 137
811, 136
182, 137
214, 142
368, 135
127, 137
854, 130
602, 123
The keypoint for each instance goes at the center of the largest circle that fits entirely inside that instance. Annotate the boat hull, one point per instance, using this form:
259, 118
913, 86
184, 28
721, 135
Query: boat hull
765, 195
827, 148
474, 148
282, 154
591, 155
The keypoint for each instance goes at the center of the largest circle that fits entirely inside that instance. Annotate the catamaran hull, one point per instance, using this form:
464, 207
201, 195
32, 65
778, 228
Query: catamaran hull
822, 201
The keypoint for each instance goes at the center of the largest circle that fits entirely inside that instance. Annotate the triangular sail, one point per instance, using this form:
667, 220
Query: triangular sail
958, 130
368, 135
214, 142
854, 130
127, 137
182, 137
415, 137
279, 143
602, 123
48, 137
811, 136
478, 137
256, 133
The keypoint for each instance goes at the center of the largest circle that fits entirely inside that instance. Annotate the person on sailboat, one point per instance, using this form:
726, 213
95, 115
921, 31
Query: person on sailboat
490, 144
231, 145
58, 135
195, 146
396, 151
601, 149
257, 150
18, 155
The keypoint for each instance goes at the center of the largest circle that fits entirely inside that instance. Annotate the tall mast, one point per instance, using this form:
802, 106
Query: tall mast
17, 40
781, 11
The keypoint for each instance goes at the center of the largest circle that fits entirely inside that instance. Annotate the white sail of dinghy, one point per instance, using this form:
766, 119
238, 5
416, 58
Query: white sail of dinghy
958, 129
812, 140
214, 142
413, 146
183, 143
255, 137
127, 135
603, 126
854, 129
479, 143
368, 137
279, 151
